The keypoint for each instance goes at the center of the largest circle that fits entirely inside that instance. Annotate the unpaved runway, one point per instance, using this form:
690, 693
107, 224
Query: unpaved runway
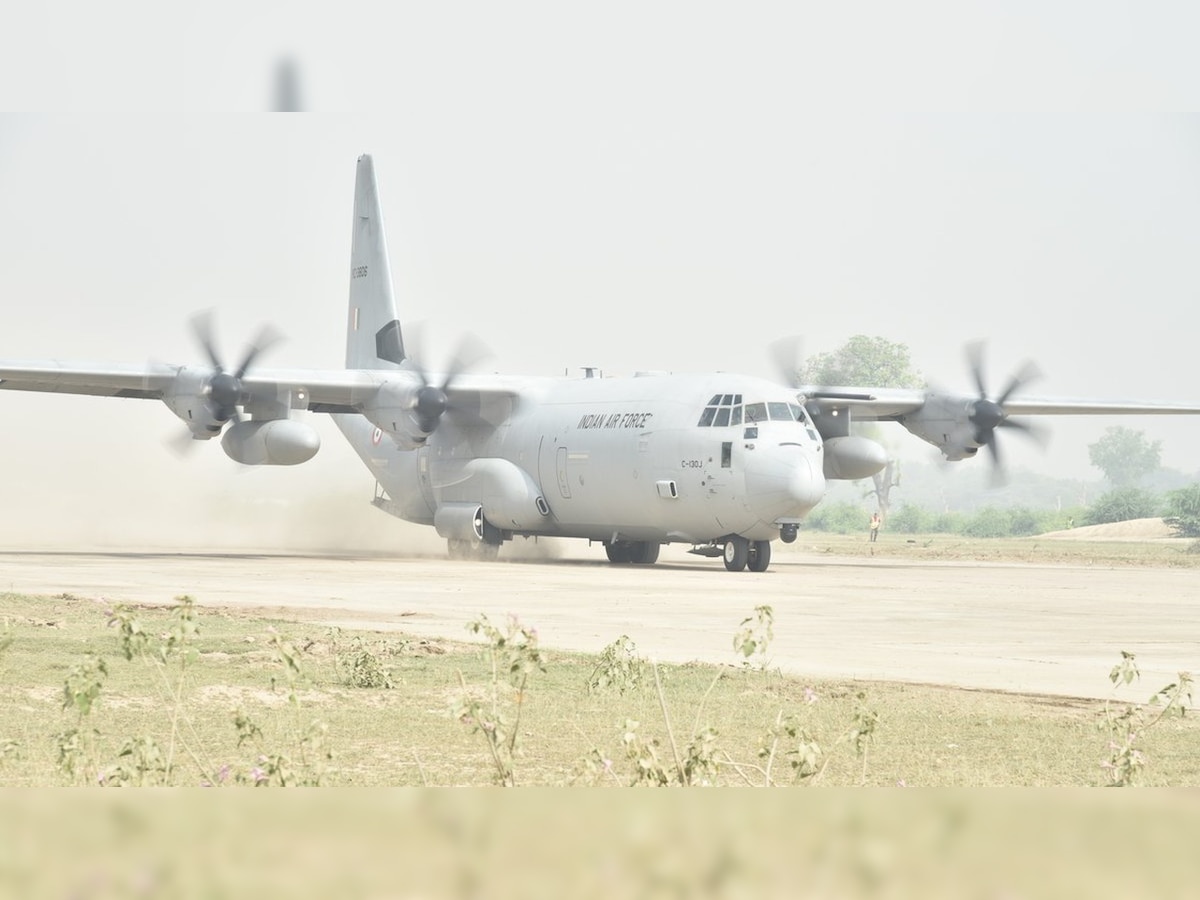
1010, 627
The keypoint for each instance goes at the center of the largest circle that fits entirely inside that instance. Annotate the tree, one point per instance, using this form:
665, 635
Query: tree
866, 361
1125, 456
870, 362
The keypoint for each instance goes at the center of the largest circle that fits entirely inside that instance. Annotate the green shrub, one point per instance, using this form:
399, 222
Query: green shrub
910, 519
1122, 505
839, 518
1183, 509
989, 522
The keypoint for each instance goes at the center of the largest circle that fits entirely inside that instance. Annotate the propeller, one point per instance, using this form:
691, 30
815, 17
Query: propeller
225, 388
987, 415
432, 400
788, 358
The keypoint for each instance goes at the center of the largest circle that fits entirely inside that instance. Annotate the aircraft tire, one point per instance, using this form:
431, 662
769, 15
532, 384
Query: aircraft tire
644, 553
619, 551
760, 556
737, 553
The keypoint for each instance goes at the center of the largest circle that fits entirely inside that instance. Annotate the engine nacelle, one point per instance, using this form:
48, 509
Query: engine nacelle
853, 457
188, 398
393, 408
945, 422
276, 442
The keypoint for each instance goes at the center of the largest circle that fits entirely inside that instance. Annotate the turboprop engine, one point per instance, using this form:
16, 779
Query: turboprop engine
190, 399
276, 442
407, 412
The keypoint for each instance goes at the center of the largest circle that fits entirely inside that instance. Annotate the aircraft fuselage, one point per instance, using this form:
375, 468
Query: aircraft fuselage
646, 458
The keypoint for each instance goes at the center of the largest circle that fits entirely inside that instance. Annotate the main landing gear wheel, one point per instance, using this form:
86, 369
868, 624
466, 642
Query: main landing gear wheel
619, 552
643, 553
760, 556
737, 553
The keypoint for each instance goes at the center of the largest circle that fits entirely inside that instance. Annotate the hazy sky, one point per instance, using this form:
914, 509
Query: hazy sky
639, 187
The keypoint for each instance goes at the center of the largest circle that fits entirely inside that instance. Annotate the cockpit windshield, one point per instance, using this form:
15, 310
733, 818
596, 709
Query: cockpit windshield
725, 410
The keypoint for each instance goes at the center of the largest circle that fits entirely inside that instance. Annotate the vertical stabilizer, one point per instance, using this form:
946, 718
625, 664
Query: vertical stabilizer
373, 339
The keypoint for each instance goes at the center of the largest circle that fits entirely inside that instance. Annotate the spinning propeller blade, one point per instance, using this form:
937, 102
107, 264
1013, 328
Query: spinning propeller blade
987, 414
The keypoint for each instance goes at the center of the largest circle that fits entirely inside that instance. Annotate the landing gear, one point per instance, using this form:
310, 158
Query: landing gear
760, 556
742, 554
618, 551
737, 553
643, 553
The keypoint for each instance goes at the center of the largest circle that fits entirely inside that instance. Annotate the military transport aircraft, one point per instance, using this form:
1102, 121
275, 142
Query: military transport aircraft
726, 463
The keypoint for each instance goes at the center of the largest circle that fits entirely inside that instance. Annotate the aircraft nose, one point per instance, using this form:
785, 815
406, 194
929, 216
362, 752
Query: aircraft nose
807, 484
784, 481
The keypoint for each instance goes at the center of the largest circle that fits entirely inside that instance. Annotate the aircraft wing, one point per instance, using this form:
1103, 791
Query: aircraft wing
97, 379
320, 390
891, 404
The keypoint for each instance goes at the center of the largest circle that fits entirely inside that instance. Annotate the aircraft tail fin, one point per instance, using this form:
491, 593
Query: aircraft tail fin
373, 338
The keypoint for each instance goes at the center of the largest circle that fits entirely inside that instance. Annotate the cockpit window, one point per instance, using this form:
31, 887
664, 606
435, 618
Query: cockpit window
722, 410
756, 412
780, 412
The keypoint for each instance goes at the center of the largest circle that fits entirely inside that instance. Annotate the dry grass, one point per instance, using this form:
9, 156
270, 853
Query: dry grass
408, 735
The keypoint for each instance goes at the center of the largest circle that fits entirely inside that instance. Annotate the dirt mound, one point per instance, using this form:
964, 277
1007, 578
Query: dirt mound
1132, 530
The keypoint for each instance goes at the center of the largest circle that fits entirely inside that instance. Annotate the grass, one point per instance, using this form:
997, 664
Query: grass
408, 734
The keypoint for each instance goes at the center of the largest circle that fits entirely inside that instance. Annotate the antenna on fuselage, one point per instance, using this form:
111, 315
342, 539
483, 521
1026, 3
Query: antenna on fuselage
592, 372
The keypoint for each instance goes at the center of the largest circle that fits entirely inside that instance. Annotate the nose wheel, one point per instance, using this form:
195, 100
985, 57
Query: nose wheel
742, 554
737, 553
760, 556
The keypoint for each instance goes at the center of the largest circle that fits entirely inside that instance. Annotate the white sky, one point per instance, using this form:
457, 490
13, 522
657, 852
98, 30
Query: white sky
638, 186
